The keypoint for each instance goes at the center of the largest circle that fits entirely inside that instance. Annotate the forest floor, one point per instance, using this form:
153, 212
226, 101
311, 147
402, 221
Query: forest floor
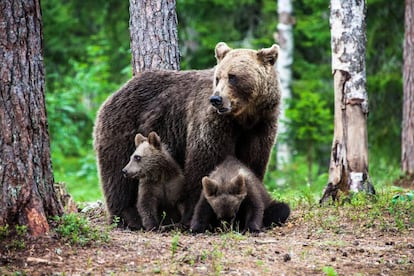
357, 238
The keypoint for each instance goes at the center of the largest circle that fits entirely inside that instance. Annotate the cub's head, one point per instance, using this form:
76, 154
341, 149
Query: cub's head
245, 80
225, 198
146, 156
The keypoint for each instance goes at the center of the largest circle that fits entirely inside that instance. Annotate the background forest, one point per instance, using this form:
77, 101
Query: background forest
87, 57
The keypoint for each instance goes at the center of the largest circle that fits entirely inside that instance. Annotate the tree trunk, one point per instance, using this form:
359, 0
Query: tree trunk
348, 170
284, 37
26, 182
153, 33
407, 143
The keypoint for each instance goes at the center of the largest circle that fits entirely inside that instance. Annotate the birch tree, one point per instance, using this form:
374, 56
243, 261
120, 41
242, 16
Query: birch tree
284, 37
348, 170
26, 181
407, 136
153, 35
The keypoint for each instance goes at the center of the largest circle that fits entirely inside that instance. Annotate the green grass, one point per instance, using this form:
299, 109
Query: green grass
80, 175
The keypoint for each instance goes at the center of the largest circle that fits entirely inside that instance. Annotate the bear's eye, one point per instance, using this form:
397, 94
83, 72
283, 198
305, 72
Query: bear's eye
232, 79
217, 81
137, 158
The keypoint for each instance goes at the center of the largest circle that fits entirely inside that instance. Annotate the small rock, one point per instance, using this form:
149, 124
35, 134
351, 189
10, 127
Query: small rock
286, 257
389, 243
333, 259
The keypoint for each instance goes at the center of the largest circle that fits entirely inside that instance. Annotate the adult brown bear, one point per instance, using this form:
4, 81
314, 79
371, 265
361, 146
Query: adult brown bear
203, 116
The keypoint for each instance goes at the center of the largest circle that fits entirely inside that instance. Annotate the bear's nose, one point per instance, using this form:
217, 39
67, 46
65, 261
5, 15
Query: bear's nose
216, 101
125, 172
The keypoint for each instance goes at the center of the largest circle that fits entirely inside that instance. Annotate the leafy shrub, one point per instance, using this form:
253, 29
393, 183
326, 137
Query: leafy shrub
76, 229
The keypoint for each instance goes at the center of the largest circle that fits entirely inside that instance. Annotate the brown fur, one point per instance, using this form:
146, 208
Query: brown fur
176, 105
233, 194
160, 180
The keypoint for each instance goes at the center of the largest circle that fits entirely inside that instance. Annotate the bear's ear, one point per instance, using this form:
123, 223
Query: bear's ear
209, 186
238, 186
139, 138
268, 56
221, 50
154, 140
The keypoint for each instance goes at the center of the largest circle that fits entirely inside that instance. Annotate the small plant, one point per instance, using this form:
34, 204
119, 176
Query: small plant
21, 230
329, 271
76, 229
175, 243
115, 222
19, 241
16, 234
216, 260
4, 231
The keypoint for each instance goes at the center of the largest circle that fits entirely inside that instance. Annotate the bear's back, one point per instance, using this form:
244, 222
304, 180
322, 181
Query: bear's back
149, 102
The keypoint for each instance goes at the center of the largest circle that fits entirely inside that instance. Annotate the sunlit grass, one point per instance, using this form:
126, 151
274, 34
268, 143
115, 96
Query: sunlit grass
80, 175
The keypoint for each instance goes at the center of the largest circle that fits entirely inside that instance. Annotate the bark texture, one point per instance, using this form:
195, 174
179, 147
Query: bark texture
153, 33
284, 37
26, 179
407, 143
348, 170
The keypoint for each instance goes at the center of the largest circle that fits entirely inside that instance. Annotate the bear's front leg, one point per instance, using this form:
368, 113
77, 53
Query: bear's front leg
254, 217
129, 218
203, 215
147, 206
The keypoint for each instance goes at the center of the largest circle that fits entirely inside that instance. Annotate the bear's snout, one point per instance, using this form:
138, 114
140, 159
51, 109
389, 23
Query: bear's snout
125, 172
216, 101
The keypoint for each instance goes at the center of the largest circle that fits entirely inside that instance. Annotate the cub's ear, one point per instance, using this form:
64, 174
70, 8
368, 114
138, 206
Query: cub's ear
154, 140
238, 186
139, 138
268, 56
221, 50
209, 186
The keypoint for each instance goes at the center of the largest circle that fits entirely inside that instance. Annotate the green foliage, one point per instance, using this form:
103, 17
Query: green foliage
329, 271
4, 231
13, 237
362, 210
72, 110
76, 229
175, 243
310, 123
85, 62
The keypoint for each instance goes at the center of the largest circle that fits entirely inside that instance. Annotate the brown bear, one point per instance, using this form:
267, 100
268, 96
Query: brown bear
160, 181
202, 116
234, 195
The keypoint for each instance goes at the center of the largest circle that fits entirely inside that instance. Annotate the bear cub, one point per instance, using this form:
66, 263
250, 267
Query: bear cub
233, 194
160, 178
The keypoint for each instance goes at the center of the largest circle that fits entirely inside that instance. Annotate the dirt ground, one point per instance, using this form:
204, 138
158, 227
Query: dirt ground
311, 243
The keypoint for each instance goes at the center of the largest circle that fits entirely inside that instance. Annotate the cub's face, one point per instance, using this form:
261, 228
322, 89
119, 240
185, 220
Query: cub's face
225, 198
144, 159
241, 77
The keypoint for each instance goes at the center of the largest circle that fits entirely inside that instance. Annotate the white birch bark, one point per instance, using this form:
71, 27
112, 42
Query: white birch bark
407, 135
284, 37
348, 169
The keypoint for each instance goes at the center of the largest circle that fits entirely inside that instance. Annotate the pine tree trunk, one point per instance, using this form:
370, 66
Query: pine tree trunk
26, 179
284, 37
348, 169
153, 33
407, 143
